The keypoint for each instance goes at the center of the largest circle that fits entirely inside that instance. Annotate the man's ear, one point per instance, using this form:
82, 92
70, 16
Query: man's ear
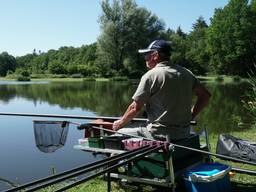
155, 55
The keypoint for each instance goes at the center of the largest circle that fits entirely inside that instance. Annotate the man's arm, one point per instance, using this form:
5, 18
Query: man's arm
203, 97
131, 112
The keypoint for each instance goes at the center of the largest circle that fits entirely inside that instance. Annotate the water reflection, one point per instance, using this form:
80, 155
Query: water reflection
225, 112
101, 97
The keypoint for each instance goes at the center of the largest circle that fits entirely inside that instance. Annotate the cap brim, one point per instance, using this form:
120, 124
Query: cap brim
144, 51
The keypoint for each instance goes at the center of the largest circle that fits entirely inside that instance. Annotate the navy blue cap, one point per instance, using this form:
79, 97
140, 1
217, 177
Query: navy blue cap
157, 45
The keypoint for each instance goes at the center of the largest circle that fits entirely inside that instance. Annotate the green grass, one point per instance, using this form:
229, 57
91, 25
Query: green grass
100, 185
249, 135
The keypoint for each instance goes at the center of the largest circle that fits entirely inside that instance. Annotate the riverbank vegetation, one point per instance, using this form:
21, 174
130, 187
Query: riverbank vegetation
224, 47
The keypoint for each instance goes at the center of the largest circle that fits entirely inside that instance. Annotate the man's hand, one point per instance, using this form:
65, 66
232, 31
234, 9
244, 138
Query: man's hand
117, 125
130, 113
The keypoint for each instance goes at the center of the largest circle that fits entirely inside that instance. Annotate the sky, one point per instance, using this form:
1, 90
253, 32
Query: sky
26, 25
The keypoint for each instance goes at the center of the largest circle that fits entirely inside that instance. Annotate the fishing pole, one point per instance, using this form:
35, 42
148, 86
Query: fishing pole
111, 119
84, 126
152, 149
68, 116
78, 170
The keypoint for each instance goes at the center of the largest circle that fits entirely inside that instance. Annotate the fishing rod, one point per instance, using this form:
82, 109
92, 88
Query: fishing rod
50, 180
238, 170
245, 171
69, 116
107, 118
151, 150
109, 163
84, 126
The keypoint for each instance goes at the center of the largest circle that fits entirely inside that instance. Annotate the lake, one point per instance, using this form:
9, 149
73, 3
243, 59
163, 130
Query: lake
21, 161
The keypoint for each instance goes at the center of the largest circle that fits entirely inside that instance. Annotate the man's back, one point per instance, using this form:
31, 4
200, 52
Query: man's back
170, 94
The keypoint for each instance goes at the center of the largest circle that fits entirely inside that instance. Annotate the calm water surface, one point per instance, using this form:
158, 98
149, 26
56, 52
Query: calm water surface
21, 161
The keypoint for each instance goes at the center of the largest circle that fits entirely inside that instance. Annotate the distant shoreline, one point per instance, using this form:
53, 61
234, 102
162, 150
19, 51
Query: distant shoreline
207, 79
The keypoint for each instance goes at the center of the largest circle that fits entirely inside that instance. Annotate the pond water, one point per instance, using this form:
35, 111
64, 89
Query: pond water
21, 161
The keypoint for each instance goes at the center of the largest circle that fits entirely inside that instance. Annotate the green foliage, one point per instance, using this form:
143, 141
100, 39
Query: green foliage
178, 55
219, 79
89, 79
125, 28
86, 70
23, 78
56, 67
22, 75
250, 105
236, 79
62, 61
230, 39
7, 63
196, 43
119, 78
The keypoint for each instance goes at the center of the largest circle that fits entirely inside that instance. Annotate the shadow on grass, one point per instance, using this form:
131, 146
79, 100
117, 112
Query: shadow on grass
238, 187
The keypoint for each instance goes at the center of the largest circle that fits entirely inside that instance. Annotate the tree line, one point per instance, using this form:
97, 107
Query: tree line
226, 46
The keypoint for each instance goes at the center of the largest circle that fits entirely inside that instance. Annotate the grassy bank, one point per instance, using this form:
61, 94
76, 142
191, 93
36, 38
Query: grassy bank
221, 79
59, 78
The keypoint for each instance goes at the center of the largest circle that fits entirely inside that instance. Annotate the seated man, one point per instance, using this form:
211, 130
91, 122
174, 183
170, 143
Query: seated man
166, 90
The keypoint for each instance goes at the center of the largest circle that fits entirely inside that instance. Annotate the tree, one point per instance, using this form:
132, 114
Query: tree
56, 67
230, 39
7, 63
124, 29
181, 33
253, 19
196, 44
179, 48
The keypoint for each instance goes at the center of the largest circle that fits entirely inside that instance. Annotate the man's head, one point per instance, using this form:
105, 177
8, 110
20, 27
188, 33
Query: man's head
158, 50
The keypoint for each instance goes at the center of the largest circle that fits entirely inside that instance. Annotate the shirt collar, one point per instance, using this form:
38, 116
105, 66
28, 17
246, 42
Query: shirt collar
163, 64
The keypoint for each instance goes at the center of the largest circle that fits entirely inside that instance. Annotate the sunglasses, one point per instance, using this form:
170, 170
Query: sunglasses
148, 56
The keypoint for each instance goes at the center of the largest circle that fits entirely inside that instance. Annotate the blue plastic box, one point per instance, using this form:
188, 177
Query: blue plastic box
208, 177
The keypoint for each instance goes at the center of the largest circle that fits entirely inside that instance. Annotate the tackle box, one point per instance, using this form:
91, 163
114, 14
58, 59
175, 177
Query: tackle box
114, 142
96, 142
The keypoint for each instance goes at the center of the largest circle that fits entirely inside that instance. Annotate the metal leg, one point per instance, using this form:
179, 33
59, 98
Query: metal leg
109, 181
101, 131
171, 173
170, 167
207, 142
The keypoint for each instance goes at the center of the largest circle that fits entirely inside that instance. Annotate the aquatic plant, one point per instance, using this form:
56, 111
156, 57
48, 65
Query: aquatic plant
250, 105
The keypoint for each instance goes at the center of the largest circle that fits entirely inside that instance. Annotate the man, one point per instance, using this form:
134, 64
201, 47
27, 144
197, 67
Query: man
166, 90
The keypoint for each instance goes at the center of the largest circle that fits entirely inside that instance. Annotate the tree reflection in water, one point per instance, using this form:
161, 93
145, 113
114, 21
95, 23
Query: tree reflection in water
224, 113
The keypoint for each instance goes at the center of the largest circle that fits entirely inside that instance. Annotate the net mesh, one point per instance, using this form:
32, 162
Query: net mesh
50, 135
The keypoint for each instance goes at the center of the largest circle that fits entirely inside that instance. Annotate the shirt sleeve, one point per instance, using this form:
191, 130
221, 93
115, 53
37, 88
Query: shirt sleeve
143, 90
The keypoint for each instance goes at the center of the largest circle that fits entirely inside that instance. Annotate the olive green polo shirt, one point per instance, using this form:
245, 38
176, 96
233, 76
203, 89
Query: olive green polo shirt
167, 91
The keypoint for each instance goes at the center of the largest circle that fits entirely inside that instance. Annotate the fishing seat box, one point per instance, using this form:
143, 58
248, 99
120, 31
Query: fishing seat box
114, 142
154, 165
96, 142
208, 177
